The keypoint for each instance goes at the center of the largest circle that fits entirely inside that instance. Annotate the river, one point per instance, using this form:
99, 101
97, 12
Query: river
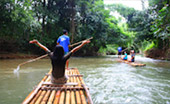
109, 81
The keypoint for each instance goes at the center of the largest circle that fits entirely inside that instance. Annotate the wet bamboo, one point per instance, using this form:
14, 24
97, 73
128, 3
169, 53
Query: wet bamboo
62, 88
75, 75
81, 92
68, 91
83, 99
34, 92
67, 97
72, 91
51, 99
56, 100
61, 101
40, 97
78, 100
88, 95
72, 97
36, 97
86, 90
48, 79
45, 99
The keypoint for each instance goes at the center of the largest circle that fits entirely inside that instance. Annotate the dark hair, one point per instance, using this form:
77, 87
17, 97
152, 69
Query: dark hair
58, 52
64, 31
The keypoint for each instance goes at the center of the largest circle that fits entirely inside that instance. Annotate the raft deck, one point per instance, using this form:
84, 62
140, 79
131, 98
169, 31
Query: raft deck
73, 92
135, 64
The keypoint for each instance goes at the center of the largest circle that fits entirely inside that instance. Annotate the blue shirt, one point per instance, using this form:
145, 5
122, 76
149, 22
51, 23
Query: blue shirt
125, 56
64, 41
119, 49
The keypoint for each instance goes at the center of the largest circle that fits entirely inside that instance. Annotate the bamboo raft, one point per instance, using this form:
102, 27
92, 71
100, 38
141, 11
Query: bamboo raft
48, 93
135, 64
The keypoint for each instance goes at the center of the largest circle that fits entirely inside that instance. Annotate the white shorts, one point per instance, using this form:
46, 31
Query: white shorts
61, 80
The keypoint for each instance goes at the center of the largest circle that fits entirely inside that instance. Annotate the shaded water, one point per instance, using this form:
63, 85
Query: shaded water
109, 81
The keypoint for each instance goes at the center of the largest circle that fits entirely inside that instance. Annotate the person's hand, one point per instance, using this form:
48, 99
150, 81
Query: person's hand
33, 41
86, 42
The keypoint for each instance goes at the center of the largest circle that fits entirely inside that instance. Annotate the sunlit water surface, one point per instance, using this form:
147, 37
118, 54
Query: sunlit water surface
109, 81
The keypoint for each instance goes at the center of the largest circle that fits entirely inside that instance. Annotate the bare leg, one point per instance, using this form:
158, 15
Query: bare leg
67, 62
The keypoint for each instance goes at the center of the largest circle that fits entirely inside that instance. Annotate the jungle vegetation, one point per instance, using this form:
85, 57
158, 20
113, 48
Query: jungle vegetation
44, 20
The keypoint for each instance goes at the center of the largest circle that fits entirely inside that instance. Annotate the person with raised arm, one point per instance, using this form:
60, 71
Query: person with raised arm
58, 60
64, 41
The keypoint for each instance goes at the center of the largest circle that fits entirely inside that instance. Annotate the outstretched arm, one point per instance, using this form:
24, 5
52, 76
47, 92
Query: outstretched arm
40, 45
81, 45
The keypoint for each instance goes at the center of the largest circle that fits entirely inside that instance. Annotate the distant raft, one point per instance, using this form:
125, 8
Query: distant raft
73, 92
135, 64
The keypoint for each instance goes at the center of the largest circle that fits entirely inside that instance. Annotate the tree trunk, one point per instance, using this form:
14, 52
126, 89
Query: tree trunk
43, 19
72, 24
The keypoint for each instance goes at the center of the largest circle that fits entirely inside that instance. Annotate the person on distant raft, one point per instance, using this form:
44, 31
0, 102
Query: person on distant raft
125, 56
119, 51
58, 60
132, 59
64, 41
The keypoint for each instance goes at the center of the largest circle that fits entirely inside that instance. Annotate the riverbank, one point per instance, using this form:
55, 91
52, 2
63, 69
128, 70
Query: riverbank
158, 54
153, 53
16, 56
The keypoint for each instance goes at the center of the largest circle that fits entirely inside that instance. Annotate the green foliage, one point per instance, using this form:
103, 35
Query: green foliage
44, 20
109, 49
149, 46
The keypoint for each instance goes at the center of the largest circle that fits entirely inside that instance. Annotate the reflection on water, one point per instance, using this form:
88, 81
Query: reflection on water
109, 81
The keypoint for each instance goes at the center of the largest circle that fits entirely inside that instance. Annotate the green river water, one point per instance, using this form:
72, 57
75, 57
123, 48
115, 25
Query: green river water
110, 82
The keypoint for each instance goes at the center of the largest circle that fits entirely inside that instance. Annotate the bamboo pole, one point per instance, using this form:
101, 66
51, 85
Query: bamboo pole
56, 101
48, 79
40, 97
80, 42
83, 99
88, 95
62, 88
29, 62
45, 99
62, 97
68, 97
34, 92
72, 97
50, 101
72, 91
81, 92
36, 97
67, 91
78, 100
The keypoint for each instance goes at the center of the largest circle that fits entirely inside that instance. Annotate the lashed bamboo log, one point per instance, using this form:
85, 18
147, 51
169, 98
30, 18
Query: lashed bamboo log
83, 99
36, 97
67, 97
45, 99
88, 95
50, 93
34, 92
62, 88
72, 97
67, 91
40, 97
51, 99
57, 97
61, 101
72, 91
78, 100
